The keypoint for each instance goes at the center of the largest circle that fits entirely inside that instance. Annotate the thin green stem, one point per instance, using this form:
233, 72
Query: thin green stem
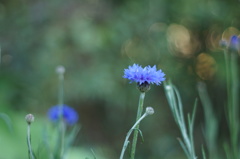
139, 114
62, 131
30, 153
228, 77
229, 97
61, 93
61, 120
211, 122
232, 99
129, 133
234, 102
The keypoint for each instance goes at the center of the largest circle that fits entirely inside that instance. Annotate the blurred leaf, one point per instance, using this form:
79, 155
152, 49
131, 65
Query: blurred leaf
7, 120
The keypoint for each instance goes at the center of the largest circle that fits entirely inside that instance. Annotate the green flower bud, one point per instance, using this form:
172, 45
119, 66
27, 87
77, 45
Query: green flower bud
60, 69
149, 111
29, 118
144, 87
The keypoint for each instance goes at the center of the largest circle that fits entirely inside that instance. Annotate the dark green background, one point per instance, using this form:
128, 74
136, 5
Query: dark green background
96, 40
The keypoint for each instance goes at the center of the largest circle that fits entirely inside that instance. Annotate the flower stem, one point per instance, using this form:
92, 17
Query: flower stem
61, 122
234, 101
129, 133
60, 103
139, 114
232, 98
30, 153
228, 78
62, 134
61, 93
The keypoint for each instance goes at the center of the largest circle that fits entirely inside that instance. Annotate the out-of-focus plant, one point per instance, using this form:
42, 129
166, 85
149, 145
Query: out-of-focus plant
63, 117
231, 50
175, 103
7, 120
29, 119
211, 122
143, 77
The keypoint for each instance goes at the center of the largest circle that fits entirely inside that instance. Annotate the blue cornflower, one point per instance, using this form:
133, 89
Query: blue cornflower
70, 116
146, 75
234, 44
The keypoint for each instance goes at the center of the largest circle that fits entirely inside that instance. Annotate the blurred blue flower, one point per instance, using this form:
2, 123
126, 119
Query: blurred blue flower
234, 44
148, 74
70, 116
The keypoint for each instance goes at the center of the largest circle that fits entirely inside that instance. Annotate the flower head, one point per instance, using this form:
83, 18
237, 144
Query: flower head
233, 44
148, 74
70, 116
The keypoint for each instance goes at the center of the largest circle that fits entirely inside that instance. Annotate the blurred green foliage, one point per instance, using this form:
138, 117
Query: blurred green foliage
95, 40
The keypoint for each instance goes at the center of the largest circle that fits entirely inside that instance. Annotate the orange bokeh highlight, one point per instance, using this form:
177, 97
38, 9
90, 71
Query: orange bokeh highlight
181, 42
205, 66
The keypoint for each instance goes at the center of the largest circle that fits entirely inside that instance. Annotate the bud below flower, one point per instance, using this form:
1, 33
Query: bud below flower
60, 69
149, 111
144, 87
223, 43
29, 118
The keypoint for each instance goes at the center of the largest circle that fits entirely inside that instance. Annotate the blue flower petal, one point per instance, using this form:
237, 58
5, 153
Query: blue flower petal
151, 75
70, 116
234, 44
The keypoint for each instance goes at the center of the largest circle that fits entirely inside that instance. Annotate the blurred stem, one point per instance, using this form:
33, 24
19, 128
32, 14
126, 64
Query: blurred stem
62, 131
234, 101
30, 153
139, 114
46, 141
211, 123
229, 96
61, 93
61, 120
129, 133
228, 77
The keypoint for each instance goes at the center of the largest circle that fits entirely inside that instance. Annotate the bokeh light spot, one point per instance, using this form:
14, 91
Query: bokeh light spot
229, 32
205, 66
213, 38
181, 43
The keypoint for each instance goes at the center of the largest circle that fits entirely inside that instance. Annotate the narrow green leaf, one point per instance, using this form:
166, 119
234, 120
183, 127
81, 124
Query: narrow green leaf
71, 136
7, 120
93, 153
184, 148
203, 153
227, 151
141, 134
